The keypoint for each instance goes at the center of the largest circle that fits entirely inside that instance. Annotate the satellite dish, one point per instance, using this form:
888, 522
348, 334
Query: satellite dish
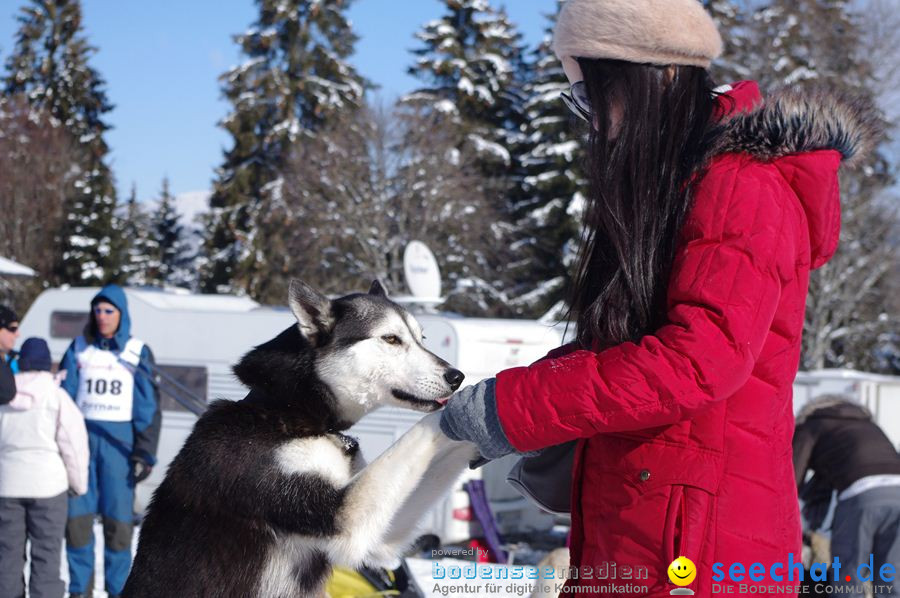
423, 277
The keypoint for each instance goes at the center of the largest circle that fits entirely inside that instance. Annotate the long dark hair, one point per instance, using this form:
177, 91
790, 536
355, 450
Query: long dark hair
641, 183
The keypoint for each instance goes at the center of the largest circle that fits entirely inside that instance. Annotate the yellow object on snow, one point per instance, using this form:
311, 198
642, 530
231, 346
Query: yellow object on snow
346, 583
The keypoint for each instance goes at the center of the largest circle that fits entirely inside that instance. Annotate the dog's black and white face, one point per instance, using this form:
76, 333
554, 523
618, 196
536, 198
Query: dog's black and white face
369, 352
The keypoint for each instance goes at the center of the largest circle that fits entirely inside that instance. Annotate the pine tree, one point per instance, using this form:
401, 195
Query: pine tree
811, 43
169, 255
471, 64
139, 246
548, 203
295, 78
731, 18
50, 63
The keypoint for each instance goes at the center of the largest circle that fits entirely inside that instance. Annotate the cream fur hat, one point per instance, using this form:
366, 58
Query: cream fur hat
660, 32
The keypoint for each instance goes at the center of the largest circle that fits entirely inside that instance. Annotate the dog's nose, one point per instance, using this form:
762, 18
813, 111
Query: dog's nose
454, 378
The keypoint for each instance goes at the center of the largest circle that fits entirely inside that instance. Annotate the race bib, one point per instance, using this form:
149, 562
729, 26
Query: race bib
106, 382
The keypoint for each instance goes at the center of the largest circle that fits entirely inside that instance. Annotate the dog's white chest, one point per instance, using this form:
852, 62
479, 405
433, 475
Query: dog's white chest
295, 567
322, 455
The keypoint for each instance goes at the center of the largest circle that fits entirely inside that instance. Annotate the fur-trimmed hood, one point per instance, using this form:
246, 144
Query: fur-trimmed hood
794, 121
806, 135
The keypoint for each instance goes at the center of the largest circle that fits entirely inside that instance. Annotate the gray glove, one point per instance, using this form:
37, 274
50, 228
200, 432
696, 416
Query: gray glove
471, 414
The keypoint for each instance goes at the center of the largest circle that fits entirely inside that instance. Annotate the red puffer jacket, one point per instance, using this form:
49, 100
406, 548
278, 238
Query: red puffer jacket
685, 436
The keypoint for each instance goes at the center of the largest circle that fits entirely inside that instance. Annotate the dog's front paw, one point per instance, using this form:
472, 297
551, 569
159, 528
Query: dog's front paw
464, 452
432, 422
425, 439
429, 427
456, 456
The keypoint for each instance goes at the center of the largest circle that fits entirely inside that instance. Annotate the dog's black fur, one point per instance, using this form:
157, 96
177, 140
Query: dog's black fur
223, 501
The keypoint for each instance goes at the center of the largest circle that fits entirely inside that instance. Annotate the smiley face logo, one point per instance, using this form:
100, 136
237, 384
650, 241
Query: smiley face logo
682, 571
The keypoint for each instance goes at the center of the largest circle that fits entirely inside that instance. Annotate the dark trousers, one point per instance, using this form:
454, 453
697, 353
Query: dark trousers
868, 524
43, 522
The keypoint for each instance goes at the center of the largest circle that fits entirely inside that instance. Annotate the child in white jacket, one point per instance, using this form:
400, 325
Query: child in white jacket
43, 455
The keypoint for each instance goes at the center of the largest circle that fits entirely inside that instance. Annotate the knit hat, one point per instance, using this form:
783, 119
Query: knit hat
35, 356
661, 32
7, 316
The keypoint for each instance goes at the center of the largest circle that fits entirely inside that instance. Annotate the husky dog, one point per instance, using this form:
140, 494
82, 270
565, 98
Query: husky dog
267, 494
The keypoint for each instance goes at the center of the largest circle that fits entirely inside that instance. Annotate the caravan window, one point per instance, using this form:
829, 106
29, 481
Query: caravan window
67, 324
187, 383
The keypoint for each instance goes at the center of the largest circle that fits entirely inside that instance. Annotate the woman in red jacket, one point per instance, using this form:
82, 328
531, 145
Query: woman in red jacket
707, 210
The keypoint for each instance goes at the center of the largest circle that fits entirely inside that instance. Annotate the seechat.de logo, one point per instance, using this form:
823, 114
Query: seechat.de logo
682, 572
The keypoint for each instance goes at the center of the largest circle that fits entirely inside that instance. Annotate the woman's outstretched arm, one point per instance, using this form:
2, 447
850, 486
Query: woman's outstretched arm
723, 292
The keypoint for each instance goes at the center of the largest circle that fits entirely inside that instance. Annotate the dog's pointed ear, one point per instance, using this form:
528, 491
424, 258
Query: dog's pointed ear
312, 310
376, 289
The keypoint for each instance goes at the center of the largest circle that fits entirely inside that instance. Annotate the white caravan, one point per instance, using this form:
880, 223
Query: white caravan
197, 338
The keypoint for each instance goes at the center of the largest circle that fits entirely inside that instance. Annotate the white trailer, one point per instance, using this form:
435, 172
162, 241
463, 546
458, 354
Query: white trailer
197, 338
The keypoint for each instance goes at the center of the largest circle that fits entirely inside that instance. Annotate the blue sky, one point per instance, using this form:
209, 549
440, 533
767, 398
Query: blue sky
161, 61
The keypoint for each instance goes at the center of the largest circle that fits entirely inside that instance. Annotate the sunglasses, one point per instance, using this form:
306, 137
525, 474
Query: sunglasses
12, 328
104, 310
578, 101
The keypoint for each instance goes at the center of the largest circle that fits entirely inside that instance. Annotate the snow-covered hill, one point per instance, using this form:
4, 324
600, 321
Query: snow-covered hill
190, 205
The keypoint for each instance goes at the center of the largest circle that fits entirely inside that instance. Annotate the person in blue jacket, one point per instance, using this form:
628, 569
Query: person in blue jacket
109, 374
9, 332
